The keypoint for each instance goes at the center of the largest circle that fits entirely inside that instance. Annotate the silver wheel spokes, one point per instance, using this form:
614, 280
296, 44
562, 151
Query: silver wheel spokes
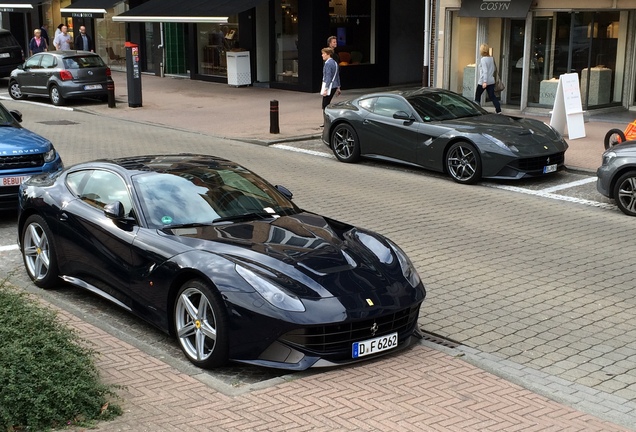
627, 194
462, 163
344, 143
196, 324
36, 251
15, 91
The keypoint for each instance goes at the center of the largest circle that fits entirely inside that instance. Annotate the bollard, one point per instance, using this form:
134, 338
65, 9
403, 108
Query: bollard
273, 117
111, 94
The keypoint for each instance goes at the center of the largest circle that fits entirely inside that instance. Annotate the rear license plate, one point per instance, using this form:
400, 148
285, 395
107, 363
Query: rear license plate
93, 87
14, 181
5, 55
375, 345
549, 168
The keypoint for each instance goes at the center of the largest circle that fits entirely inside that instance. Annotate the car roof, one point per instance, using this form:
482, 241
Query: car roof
70, 53
163, 163
406, 93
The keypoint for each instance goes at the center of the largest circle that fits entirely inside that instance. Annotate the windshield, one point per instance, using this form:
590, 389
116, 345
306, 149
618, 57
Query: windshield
437, 106
202, 195
81, 62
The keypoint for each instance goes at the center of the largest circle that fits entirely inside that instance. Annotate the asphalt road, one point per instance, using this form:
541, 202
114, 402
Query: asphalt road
535, 276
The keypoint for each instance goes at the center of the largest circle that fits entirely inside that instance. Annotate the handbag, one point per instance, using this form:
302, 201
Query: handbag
499, 85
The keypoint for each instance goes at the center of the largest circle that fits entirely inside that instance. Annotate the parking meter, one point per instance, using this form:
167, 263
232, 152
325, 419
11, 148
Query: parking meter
133, 75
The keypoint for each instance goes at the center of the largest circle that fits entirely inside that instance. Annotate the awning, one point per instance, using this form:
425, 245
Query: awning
18, 5
186, 11
88, 8
495, 8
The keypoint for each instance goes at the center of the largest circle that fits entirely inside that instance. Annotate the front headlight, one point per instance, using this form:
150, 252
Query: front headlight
274, 295
49, 156
408, 269
500, 143
608, 156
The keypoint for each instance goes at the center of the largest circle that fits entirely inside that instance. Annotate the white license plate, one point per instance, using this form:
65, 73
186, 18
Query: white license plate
549, 168
93, 87
14, 181
375, 345
5, 55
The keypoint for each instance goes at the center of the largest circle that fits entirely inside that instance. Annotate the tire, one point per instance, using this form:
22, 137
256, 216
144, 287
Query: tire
38, 252
201, 324
613, 137
56, 97
345, 143
463, 163
15, 91
625, 193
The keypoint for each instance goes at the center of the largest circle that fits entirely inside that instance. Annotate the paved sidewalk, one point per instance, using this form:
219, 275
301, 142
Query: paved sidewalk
428, 387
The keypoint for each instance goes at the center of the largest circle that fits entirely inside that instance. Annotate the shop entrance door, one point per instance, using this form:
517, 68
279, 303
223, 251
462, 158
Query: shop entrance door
514, 79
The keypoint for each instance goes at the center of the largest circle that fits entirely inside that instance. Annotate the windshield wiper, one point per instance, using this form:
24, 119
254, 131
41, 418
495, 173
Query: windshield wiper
245, 216
187, 225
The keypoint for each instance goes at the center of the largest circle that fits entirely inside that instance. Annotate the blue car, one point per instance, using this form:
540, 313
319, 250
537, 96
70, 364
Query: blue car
22, 154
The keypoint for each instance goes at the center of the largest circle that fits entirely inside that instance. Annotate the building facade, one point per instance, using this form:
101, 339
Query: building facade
534, 42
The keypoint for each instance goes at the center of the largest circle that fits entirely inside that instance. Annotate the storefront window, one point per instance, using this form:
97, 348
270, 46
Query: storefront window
287, 42
462, 53
591, 44
214, 41
110, 37
353, 24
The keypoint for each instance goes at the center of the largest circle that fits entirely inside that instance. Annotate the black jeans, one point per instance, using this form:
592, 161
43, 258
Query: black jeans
491, 94
326, 100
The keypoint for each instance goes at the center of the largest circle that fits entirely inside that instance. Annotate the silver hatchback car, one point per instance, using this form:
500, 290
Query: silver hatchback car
61, 75
616, 177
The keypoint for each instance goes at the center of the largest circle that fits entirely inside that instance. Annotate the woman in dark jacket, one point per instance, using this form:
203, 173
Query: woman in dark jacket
37, 43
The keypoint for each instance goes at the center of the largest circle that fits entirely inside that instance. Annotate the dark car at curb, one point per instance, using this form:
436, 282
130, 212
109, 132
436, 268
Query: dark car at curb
11, 53
213, 254
616, 177
442, 131
22, 154
61, 75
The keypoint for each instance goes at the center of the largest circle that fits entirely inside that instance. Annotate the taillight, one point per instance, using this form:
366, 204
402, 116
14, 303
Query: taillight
107, 71
65, 75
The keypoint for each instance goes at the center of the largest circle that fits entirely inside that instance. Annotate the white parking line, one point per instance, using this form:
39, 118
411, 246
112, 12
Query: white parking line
9, 248
299, 150
543, 194
569, 185
5, 96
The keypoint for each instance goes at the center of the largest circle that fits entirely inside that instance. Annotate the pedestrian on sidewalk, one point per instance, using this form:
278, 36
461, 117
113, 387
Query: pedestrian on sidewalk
486, 79
330, 78
63, 40
83, 42
332, 42
37, 43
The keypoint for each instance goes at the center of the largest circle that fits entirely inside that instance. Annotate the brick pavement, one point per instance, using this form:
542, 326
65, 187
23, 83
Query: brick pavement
445, 383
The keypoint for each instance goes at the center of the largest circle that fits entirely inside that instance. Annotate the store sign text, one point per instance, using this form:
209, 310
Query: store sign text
495, 5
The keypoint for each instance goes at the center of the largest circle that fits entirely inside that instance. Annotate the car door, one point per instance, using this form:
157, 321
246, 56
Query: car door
48, 66
92, 247
383, 135
27, 77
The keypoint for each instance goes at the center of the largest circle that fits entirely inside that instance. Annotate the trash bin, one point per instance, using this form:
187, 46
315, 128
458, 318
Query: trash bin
238, 68
133, 75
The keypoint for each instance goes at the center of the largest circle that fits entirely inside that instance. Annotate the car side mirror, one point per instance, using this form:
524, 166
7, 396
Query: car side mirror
402, 115
17, 115
115, 211
285, 191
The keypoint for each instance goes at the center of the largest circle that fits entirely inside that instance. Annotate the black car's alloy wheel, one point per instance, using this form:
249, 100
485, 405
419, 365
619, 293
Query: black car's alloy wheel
56, 97
345, 143
200, 323
625, 193
463, 163
38, 252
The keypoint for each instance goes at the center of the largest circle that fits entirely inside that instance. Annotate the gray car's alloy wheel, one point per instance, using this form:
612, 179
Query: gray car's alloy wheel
15, 91
200, 323
38, 252
625, 193
345, 143
463, 163
56, 97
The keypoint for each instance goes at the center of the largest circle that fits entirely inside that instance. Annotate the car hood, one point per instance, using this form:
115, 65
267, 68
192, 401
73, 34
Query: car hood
522, 132
628, 148
310, 255
17, 141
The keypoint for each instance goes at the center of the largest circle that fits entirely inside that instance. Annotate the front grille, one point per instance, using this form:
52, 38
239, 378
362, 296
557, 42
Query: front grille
339, 337
21, 161
537, 163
